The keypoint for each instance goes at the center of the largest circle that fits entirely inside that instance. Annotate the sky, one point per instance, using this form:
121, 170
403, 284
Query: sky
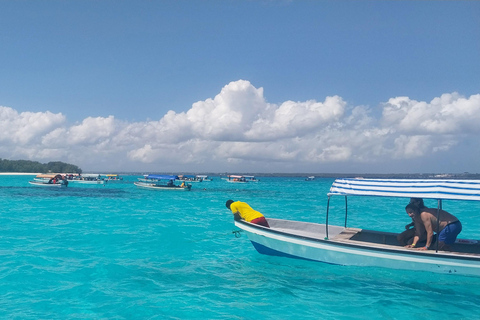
268, 86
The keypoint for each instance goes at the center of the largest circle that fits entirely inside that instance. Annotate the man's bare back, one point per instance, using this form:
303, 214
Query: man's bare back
429, 216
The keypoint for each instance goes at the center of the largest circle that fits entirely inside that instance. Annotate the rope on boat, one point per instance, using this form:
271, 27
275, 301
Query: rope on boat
237, 233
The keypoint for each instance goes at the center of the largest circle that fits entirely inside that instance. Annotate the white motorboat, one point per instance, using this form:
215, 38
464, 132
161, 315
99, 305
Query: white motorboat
344, 245
162, 182
52, 180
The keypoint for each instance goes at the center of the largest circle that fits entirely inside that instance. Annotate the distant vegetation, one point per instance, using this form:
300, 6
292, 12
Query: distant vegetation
37, 167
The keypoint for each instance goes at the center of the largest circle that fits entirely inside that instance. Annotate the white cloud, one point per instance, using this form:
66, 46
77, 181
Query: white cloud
449, 113
230, 114
144, 154
239, 130
23, 128
91, 132
292, 119
411, 146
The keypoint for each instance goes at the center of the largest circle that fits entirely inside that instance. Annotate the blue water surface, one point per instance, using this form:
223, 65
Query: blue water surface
119, 252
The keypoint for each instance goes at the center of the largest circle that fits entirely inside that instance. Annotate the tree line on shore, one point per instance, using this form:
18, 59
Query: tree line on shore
37, 167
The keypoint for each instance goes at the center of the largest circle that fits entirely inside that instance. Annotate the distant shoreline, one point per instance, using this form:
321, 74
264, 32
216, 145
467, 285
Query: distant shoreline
18, 174
466, 175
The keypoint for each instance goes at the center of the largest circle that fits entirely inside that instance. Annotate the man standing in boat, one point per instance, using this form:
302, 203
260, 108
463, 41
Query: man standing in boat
241, 210
447, 226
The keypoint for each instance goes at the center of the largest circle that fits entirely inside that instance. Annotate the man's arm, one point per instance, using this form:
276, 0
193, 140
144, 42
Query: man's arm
411, 224
414, 242
428, 227
418, 233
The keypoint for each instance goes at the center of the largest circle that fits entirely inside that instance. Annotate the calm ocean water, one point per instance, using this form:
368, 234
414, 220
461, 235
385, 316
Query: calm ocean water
118, 252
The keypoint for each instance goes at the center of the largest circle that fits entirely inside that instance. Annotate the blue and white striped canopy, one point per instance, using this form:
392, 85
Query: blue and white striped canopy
408, 188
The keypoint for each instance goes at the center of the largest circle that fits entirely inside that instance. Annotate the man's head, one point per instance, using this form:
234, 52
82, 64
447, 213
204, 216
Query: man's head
229, 202
412, 210
418, 202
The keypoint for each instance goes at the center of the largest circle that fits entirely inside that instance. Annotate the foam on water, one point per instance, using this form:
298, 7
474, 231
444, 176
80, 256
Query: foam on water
119, 252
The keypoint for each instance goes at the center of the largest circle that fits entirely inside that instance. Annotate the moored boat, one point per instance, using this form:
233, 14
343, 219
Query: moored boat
162, 182
88, 178
344, 245
203, 177
112, 177
236, 179
189, 178
250, 178
310, 178
49, 180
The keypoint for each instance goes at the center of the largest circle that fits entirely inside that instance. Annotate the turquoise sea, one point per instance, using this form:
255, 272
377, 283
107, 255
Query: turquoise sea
119, 252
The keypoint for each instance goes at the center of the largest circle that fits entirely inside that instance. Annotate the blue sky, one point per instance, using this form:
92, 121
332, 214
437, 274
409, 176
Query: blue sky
98, 72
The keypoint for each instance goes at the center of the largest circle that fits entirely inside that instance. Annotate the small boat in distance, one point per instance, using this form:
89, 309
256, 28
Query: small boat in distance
88, 178
344, 245
161, 182
310, 178
49, 180
236, 179
188, 178
203, 177
112, 177
250, 179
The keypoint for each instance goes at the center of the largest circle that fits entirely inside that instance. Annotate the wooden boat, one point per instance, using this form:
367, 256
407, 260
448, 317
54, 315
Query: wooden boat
344, 245
113, 177
250, 179
236, 179
203, 177
88, 179
49, 180
161, 182
189, 178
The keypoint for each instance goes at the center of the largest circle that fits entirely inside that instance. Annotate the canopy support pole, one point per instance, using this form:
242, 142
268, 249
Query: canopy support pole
346, 211
326, 220
439, 207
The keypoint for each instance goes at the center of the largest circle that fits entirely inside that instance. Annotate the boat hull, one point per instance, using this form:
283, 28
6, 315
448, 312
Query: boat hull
159, 187
87, 181
314, 247
46, 184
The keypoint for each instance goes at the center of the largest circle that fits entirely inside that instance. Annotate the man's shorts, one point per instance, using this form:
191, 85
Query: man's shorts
449, 234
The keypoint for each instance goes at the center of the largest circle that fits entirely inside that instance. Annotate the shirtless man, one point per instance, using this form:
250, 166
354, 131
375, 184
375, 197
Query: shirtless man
448, 227
406, 237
